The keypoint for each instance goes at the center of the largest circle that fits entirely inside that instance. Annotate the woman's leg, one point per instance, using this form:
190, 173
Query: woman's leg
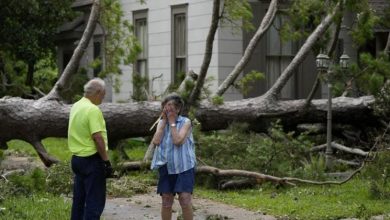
166, 207
185, 200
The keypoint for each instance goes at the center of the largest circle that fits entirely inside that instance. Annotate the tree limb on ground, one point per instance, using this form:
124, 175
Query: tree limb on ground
256, 176
340, 147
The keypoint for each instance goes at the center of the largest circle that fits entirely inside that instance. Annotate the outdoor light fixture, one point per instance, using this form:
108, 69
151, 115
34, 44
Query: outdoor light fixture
324, 65
344, 61
322, 62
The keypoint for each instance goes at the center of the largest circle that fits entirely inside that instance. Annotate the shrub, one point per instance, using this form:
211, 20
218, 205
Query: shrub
378, 173
59, 179
275, 153
23, 185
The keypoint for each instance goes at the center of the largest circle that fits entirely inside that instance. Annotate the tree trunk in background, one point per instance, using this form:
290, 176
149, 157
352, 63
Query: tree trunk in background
277, 87
33, 121
71, 68
265, 24
195, 94
331, 49
387, 48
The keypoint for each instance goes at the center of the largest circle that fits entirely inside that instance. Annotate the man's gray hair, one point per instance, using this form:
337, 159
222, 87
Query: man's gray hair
93, 86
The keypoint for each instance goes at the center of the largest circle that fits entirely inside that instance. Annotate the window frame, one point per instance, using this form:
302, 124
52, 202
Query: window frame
280, 55
177, 10
142, 15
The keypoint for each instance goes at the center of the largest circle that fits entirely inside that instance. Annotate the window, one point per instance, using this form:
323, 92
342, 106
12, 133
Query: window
141, 32
179, 45
97, 55
279, 55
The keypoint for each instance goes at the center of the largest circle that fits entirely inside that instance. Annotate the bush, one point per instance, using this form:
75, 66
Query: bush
60, 179
23, 185
129, 185
275, 153
378, 173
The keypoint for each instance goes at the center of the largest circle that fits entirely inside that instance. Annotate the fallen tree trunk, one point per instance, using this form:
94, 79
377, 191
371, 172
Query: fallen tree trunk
33, 121
259, 112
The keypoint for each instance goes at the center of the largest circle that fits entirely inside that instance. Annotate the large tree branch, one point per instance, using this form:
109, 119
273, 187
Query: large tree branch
195, 94
265, 24
275, 90
331, 49
72, 66
256, 176
387, 48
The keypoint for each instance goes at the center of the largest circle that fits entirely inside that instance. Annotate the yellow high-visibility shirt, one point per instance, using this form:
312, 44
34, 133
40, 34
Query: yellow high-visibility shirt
85, 119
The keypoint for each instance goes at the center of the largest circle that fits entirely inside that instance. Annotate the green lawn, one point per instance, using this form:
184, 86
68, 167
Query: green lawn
57, 147
305, 202
35, 207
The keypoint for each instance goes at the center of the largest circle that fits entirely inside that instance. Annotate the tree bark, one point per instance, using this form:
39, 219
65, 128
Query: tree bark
195, 94
33, 121
253, 177
259, 112
71, 68
356, 151
265, 24
387, 48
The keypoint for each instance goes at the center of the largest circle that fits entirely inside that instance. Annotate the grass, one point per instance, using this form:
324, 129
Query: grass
135, 148
36, 207
57, 147
306, 202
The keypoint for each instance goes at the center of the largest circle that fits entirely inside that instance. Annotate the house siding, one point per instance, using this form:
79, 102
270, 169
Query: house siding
227, 48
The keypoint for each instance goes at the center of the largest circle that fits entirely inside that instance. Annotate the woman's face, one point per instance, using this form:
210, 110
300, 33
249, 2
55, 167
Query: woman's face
170, 106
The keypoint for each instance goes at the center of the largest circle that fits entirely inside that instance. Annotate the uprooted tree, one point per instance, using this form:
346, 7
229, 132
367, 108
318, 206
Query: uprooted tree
34, 120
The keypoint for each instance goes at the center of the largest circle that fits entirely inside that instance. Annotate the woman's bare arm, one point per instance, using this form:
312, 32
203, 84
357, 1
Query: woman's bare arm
159, 132
179, 136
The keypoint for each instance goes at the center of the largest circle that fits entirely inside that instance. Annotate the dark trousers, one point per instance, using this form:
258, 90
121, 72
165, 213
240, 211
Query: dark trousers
89, 191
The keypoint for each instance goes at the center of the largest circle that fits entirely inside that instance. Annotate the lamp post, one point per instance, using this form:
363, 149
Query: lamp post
324, 64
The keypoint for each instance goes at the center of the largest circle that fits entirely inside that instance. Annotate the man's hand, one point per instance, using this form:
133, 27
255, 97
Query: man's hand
108, 171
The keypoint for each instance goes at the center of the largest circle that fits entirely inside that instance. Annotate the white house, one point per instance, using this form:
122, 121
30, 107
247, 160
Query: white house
173, 35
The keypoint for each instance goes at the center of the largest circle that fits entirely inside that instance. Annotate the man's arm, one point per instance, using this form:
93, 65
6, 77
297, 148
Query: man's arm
100, 145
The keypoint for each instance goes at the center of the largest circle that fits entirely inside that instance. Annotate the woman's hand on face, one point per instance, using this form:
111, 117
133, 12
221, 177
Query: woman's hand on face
164, 114
171, 114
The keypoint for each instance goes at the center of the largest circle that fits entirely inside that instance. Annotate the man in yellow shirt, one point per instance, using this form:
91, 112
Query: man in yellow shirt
87, 140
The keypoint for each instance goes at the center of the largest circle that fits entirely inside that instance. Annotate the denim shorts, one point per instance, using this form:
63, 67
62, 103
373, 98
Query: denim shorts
175, 183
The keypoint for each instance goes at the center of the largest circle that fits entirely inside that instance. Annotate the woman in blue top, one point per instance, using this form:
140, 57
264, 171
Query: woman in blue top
174, 158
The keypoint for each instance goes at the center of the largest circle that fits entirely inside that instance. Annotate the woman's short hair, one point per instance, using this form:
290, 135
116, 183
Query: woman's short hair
177, 100
93, 86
